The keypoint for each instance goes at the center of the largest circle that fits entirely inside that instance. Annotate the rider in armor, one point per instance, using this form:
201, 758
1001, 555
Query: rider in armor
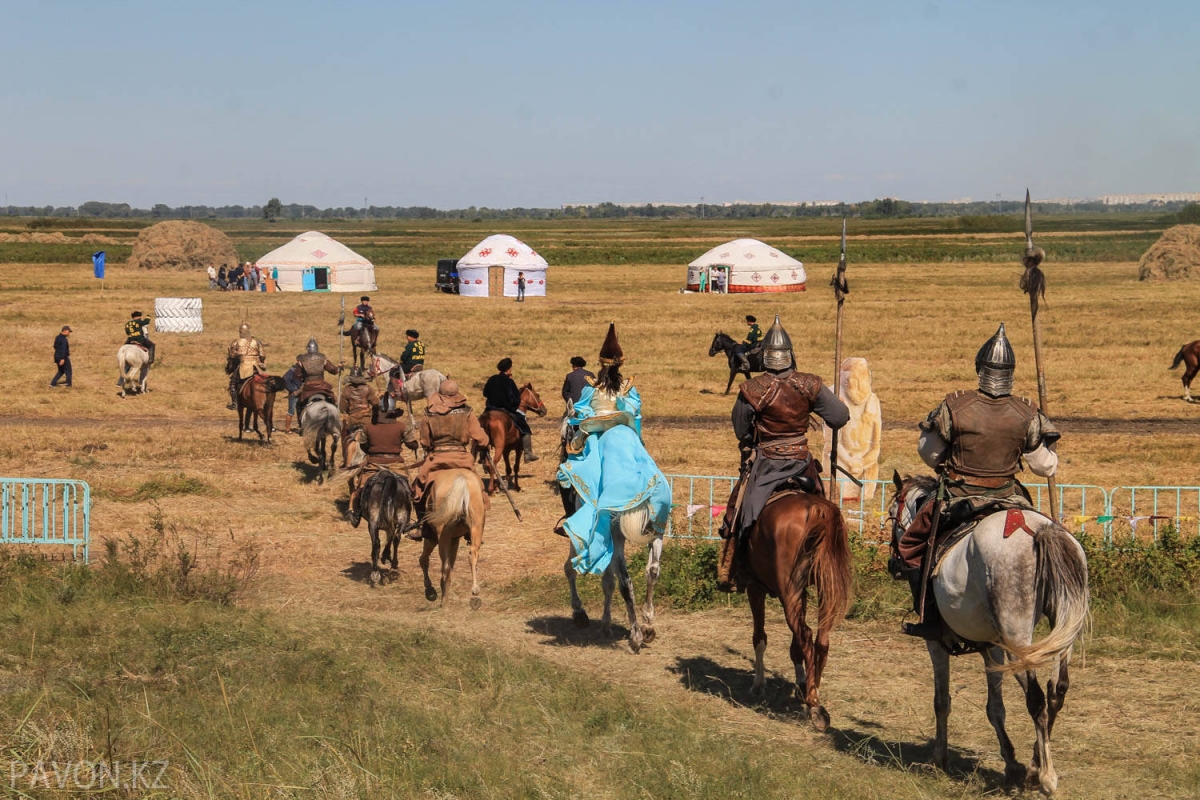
385, 450
413, 358
311, 366
501, 394
449, 434
135, 332
359, 400
770, 420
246, 354
975, 440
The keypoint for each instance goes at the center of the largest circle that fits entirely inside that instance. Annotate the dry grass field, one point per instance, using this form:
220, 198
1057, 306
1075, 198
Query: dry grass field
1127, 730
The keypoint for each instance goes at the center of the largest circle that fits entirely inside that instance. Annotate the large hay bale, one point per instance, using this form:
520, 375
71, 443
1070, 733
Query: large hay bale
182, 244
1174, 257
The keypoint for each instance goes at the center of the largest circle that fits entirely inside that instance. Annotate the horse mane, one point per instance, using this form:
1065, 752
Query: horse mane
927, 482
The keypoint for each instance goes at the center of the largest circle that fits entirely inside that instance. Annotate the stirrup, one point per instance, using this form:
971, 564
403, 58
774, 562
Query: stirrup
923, 630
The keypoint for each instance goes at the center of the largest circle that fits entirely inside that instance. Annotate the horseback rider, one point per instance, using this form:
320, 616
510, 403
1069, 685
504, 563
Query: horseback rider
753, 338
246, 354
501, 394
359, 400
311, 366
413, 358
975, 440
135, 333
771, 419
449, 433
385, 450
364, 315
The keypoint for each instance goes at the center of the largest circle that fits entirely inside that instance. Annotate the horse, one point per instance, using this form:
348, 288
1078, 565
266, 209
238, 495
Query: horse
992, 588
255, 400
421, 384
631, 526
319, 420
723, 343
133, 365
386, 503
506, 439
455, 500
362, 342
799, 541
1189, 355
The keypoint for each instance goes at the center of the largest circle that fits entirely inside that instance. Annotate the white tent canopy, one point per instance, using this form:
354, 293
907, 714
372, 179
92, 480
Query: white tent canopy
315, 262
498, 259
747, 265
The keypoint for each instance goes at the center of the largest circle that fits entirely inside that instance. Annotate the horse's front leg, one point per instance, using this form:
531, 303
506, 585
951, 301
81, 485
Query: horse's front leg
940, 657
732, 375
757, 597
1014, 771
625, 583
373, 528
578, 615
608, 582
427, 546
652, 572
516, 482
473, 553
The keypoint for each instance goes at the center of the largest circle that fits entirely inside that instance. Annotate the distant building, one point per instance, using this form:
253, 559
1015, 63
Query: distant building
1151, 199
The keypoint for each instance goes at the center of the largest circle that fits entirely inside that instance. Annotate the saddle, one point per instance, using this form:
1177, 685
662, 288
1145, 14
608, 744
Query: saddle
145, 349
963, 515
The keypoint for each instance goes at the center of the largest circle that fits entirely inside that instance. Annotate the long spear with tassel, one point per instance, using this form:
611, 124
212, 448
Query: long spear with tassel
1033, 283
840, 290
341, 347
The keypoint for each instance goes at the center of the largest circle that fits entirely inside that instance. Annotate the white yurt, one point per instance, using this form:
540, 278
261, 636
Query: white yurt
743, 266
491, 267
315, 262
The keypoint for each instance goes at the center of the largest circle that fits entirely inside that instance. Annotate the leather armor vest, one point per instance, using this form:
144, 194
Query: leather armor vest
358, 404
988, 434
384, 439
313, 365
782, 404
451, 431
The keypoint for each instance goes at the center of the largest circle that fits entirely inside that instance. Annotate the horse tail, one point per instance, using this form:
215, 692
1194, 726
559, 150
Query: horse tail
1061, 586
454, 505
830, 564
317, 424
1178, 357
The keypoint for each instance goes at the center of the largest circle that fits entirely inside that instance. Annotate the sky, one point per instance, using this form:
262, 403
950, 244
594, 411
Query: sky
502, 104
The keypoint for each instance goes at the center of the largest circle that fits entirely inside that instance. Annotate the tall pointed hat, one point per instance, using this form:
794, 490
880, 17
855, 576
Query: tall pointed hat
611, 352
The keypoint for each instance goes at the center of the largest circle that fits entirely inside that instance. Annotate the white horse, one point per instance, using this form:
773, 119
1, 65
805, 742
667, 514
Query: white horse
133, 365
319, 420
632, 526
423, 384
992, 588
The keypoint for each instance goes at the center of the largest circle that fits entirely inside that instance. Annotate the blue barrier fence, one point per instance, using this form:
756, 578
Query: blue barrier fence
1121, 514
46, 511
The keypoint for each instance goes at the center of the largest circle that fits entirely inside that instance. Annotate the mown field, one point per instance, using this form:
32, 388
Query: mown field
304, 682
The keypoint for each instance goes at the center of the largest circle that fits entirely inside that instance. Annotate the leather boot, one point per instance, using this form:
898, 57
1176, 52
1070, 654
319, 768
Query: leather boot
744, 362
355, 512
527, 443
414, 529
725, 581
930, 626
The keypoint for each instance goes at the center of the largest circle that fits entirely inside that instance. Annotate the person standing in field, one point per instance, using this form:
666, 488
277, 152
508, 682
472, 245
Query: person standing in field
212, 277
222, 278
520, 287
62, 357
292, 379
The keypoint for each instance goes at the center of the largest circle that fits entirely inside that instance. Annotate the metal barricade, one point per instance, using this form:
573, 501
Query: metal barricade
46, 511
1079, 506
1141, 512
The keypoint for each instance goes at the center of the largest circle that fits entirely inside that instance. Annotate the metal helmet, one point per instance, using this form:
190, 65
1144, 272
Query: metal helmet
312, 345
995, 363
244, 330
777, 349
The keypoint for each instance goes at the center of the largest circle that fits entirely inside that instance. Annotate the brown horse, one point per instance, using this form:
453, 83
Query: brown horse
363, 339
799, 541
1189, 355
255, 401
456, 509
506, 439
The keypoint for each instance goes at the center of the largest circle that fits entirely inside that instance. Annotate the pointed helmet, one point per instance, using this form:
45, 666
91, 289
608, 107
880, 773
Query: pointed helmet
995, 363
312, 345
244, 330
611, 352
777, 349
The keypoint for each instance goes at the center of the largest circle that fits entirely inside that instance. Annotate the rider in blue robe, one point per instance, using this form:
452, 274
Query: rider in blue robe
607, 465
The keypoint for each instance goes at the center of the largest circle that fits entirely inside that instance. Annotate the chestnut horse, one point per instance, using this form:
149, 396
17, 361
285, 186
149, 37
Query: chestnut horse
255, 401
506, 439
1189, 355
456, 509
799, 541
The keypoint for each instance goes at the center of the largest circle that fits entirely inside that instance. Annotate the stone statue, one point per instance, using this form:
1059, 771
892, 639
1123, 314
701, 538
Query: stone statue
859, 441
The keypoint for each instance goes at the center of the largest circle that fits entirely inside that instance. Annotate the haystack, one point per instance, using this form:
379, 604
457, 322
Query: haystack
181, 244
1174, 257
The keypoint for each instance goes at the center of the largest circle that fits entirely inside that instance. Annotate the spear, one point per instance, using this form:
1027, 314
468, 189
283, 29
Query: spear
840, 290
1033, 283
341, 346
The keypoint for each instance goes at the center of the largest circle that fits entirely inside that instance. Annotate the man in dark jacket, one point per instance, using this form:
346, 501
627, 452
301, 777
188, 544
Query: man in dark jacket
502, 394
62, 357
576, 379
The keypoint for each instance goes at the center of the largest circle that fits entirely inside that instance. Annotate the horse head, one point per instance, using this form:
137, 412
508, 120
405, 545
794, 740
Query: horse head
530, 401
911, 491
720, 344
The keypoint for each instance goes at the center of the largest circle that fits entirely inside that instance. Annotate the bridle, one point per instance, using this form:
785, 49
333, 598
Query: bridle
539, 409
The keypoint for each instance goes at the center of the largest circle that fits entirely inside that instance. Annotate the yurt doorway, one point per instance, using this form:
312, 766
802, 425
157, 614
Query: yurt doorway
316, 279
495, 281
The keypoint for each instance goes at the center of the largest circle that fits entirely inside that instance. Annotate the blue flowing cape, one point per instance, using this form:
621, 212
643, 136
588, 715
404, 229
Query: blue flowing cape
613, 473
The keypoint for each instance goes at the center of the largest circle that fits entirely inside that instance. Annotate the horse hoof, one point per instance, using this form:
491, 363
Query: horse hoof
313, 460
635, 646
757, 689
580, 618
476, 603
376, 578
648, 634
1014, 775
819, 718
431, 594
320, 480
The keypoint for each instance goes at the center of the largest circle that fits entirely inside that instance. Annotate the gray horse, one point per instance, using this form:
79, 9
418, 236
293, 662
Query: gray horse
133, 363
318, 421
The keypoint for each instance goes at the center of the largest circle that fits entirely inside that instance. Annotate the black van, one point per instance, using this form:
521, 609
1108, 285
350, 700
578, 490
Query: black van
447, 276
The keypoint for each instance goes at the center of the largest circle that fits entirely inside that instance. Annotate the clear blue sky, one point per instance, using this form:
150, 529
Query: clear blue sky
500, 104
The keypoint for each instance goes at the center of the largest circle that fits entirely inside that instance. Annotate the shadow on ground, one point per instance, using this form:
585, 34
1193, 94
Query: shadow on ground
561, 631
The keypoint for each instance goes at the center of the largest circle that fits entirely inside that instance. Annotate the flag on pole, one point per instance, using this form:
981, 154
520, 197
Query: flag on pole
98, 264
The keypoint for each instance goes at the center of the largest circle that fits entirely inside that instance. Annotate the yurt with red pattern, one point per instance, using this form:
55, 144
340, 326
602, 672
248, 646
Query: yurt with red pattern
745, 266
491, 268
